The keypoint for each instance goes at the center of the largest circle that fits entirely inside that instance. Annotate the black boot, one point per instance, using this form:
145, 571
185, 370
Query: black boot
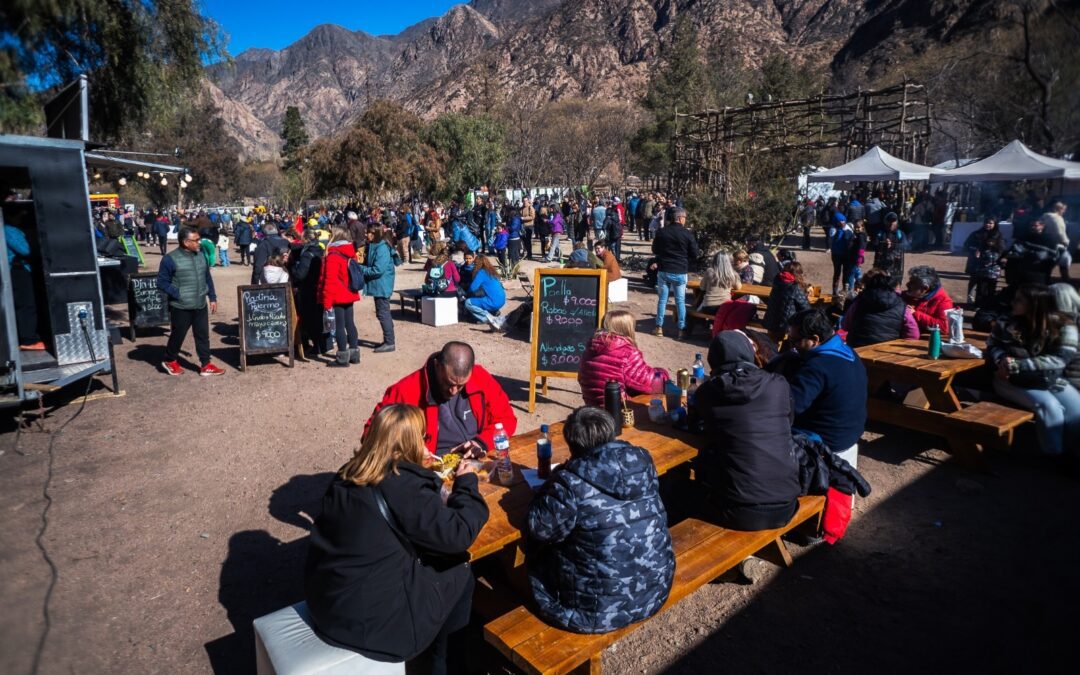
385, 347
342, 359
354, 355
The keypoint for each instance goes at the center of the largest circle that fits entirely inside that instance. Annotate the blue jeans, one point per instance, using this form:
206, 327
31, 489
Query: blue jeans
1057, 414
223, 256
481, 314
665, 281
553, 249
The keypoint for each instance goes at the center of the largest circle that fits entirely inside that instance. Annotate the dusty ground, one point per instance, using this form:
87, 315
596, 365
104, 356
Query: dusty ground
179, 513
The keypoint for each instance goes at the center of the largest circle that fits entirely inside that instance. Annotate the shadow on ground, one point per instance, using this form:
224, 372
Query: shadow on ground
957, 572
262, 574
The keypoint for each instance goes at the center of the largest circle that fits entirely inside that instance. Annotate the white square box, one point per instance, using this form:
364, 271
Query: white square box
618, 290
439, 311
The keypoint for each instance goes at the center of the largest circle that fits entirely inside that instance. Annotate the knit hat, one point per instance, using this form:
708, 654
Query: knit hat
890, 216
730, 350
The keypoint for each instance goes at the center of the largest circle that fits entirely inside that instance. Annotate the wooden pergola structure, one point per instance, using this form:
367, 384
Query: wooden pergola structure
896, 118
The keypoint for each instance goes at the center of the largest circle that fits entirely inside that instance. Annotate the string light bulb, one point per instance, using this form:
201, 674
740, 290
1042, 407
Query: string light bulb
164, 181
122, 182
187, 177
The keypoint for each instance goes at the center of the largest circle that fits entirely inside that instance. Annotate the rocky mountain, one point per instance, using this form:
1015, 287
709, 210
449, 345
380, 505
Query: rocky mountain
539, 50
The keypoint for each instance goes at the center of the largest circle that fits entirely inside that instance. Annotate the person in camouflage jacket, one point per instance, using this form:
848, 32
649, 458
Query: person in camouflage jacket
600, 555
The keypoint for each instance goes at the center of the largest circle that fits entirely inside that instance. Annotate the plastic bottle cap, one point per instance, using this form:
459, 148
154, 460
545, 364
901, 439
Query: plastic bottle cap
697, 356
543, 428
499, 426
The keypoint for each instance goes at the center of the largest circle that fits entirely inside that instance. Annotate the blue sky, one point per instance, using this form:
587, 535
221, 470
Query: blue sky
279, 23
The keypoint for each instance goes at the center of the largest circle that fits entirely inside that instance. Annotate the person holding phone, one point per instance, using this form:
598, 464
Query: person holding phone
460, 400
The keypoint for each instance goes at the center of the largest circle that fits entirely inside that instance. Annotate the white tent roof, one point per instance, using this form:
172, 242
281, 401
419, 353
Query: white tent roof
1015, 161
876, 164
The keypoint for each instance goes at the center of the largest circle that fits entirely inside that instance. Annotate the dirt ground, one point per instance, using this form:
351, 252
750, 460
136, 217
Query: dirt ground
180, 511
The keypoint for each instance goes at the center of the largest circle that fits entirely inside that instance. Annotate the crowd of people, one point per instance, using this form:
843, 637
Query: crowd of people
770, 398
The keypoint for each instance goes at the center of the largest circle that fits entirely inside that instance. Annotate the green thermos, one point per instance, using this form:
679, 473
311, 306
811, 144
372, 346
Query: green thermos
935, 343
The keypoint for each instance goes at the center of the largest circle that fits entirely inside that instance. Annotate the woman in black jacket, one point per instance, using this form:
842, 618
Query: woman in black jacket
749, 463
306, 268
391, 584
986, 239
786, 299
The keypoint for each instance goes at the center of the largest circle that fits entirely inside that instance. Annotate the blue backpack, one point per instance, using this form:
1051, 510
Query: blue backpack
356, 273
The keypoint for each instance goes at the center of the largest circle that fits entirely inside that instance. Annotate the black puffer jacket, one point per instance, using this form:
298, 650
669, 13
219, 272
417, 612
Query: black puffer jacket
749, 458
364, 591
878, 316
786, 299
600, 554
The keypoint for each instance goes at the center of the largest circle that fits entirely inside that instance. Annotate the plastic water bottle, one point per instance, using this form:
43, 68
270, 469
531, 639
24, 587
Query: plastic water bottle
543, 453
504, 470
699, 367
934, 350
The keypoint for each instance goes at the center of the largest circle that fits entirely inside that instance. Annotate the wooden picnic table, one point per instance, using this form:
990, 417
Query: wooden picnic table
508, 506
761, 292
907, 361
969, 429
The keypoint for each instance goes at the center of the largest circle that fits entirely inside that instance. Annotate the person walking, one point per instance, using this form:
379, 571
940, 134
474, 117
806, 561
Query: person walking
379, 276
335, 294
558, 229
161, 232
528, 217
184, 276
675, 248
242, 233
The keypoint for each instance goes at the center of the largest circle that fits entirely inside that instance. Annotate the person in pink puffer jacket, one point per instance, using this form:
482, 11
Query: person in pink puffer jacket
613, 354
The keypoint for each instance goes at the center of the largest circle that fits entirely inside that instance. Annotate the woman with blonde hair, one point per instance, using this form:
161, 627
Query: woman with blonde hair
613, 354
387, 571
719, 280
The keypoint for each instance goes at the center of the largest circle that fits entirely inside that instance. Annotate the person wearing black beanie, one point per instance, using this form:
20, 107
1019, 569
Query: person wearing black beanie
749, 465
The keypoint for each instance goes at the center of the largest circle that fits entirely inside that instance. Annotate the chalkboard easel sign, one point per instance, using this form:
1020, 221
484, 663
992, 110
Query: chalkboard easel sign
266, 321
568, 305
131, 247
148, 305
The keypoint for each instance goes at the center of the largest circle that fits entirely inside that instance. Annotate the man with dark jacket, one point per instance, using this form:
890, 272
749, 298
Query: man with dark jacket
828, 385
676, 249
271, 243
748, 464
772, 268
604, 558
161, 233
184, 276
243, 234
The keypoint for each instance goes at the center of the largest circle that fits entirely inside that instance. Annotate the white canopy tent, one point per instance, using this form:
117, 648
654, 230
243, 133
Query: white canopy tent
875, 165
1015, 161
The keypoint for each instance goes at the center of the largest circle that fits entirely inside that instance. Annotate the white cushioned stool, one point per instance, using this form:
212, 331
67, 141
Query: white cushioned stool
618, 290
439, 311
286, 644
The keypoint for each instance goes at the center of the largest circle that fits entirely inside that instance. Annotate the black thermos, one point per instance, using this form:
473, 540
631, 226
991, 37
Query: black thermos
613, 403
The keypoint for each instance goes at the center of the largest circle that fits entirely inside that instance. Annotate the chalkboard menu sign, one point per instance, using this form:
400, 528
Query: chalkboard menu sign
568, 305
131, 247
147, 305
267, 321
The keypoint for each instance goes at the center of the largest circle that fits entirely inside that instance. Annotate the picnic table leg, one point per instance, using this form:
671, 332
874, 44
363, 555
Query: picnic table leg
590, 667
941, 396
777, 553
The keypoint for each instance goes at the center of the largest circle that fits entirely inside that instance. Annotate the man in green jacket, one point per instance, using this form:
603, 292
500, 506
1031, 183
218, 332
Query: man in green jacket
185, 277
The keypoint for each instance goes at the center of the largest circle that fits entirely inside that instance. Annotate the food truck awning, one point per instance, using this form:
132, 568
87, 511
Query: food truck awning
98, 160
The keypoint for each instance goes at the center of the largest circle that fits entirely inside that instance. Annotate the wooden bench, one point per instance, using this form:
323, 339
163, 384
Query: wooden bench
969, 431
414, 294
703, 552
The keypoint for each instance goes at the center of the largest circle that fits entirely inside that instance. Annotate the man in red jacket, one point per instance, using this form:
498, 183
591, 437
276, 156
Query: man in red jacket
461, 401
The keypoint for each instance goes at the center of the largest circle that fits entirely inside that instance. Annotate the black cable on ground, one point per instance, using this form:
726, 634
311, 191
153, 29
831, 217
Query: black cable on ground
54, 574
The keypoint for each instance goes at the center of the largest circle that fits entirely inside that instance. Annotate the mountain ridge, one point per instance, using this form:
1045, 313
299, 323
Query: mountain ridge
545, 50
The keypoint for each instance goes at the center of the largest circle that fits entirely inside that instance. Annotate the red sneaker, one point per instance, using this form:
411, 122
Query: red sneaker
172, 368
210, 370
36, 347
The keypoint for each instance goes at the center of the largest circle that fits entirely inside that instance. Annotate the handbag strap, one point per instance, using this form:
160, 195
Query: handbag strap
388, 516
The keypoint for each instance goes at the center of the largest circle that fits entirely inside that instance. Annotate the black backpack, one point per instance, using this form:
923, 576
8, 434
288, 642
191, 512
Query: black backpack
356, 274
